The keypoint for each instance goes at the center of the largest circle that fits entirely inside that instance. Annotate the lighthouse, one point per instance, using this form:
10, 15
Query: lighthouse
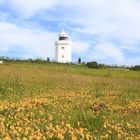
63, 48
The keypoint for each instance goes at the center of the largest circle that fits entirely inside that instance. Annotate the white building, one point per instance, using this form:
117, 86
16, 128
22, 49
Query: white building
63, 49
1, 62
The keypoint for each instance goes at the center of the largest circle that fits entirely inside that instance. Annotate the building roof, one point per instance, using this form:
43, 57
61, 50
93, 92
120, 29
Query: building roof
63, 34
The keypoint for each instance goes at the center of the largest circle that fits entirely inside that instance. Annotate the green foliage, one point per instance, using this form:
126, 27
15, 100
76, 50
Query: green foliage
92, 64
135, 68
95, 65
54, 97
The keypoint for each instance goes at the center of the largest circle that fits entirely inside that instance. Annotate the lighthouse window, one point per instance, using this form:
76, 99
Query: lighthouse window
62, 48
63, 38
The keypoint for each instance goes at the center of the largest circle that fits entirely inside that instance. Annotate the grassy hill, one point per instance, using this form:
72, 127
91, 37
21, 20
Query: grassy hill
55, 101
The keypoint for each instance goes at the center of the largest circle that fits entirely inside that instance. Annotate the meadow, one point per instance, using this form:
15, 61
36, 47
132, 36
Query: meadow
71, 102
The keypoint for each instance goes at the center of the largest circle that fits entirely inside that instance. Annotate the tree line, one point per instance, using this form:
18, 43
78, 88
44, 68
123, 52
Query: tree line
91, 65
96, 65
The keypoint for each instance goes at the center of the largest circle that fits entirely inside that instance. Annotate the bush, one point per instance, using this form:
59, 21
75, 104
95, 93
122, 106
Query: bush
93, 64
136, 68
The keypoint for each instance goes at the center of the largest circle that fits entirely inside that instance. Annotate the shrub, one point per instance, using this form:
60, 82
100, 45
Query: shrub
92, 64
136, 68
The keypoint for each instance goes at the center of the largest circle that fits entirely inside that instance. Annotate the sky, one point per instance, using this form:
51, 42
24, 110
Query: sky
106, 31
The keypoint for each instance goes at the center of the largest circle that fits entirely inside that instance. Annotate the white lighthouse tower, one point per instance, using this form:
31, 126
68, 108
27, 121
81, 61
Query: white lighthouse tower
63, 48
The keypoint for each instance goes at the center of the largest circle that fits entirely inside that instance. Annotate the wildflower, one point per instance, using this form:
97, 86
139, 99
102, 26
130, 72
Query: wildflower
73, 137
68, 126
105, 126
88, 136
78, 124
24, 138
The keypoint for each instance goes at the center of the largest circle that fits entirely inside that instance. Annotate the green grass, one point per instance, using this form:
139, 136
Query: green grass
106, 102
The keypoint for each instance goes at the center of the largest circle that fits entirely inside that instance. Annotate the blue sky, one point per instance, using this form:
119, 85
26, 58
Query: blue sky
106, 31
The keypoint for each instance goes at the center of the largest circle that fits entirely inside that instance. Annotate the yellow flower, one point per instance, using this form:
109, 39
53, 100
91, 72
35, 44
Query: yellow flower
50, 117
50, 135
68, 126
73, 137
7, 138
60, 136
128, 125
88, 136
24, 138
105, 126
78, 124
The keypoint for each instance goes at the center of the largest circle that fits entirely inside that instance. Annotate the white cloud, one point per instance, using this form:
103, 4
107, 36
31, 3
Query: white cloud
133, 61
101, 16
28, 8
34, 42
134, 49
107, 50
118, 19
3, 16
80, 47
109, 22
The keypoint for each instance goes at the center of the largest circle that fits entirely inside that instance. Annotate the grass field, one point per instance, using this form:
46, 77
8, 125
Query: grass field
51, 101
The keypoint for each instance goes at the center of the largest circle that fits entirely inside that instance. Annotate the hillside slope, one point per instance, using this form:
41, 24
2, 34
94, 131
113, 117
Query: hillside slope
53, 101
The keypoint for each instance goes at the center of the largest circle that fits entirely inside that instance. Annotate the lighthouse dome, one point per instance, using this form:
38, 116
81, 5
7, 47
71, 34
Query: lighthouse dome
63, 36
